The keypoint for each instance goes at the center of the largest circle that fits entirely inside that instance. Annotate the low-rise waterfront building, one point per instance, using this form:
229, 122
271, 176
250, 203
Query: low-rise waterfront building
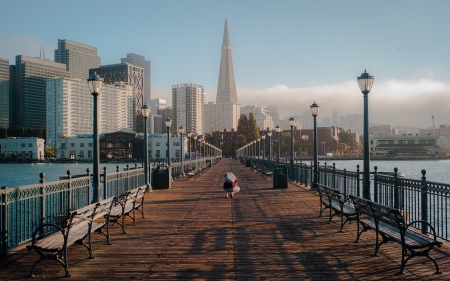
406, 146
22, 148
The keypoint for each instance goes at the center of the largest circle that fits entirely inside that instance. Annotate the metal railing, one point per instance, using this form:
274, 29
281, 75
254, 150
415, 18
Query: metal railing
417, 199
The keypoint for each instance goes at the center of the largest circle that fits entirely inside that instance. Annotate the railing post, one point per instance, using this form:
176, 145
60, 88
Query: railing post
375, 184
88, 172
345, 181
396, 190
311, 178
118, 181
325, 181
334, 175
42, 187
358, 184
318, 172
105, 184
4, 218
70, 191
424, 201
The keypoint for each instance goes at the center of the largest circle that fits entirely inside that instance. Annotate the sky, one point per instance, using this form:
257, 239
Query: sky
289, 53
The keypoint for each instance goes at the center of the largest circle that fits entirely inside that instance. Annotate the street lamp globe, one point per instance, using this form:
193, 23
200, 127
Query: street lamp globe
168, 122
277, 129
181, 130
145, 110
95, 83
269, 133
291, 122
314, 109
365, 82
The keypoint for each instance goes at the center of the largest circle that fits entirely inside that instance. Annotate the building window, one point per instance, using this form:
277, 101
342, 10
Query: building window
63, 146
81, 154
30, 145
89, 153
16, 145
158, 153
22, 145
158, 144
72, 144
176, 143
82, 144
90, 144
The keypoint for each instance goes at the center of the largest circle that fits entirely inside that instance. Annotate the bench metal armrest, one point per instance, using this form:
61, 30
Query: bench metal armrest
432, 232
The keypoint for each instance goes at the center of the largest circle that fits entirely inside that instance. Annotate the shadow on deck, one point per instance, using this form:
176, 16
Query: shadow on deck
192, 231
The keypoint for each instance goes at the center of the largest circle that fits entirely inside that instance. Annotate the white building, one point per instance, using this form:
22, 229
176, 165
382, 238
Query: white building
405, 145
22, 148
263, 116
70, 108
188, 108
157, 147
79, 147
220, 116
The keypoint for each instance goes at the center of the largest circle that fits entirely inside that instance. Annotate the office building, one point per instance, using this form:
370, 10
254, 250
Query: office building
77, 57
27, 95
188, 108
4, 93
262, 116
222, 116
130, 75
70, 108
140, 61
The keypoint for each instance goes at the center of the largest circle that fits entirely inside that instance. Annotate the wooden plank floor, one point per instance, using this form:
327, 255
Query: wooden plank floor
192, 231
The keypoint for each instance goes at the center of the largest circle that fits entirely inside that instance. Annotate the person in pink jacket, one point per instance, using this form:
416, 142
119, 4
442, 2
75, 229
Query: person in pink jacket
231, 188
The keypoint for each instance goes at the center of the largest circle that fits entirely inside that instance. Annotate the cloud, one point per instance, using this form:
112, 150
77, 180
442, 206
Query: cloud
24, 45
409, 103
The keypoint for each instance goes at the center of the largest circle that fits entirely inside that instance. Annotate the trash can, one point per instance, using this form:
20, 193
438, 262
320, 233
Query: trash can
248, 162
162, 177
280, 176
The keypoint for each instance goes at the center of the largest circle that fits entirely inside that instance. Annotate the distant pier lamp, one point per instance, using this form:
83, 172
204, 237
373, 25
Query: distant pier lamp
269, 133
168, 124
278, 130
189, 137
145, 113
314, 111
181, 131
95, 84
292, 124
263, 138
365, 82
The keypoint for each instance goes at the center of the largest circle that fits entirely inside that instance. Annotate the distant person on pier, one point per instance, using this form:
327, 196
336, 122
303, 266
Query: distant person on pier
230, 185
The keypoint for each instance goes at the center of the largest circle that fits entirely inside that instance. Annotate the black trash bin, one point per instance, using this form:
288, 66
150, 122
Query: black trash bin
280, 176
248, 162
162, 177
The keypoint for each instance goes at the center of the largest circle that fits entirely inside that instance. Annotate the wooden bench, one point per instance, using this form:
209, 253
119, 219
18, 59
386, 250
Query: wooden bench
51, 240
390, 224
126, 206
338, 202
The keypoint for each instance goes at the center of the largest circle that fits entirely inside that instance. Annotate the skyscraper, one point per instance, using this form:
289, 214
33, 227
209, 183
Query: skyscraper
27, 94
226, 88
140, 61
188, 108
4, 93
77, 57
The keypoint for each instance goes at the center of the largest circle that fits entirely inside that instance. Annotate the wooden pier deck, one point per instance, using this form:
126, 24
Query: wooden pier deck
192, 232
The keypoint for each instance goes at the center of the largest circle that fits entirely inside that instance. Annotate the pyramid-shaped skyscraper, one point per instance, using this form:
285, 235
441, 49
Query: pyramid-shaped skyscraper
224, 113
226, 88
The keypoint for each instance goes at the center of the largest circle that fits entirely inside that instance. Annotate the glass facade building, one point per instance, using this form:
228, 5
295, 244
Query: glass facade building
27, 95
4, 93
77, 57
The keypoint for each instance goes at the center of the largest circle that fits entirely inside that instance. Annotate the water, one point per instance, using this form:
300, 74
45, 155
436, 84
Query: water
19, 174
437, 170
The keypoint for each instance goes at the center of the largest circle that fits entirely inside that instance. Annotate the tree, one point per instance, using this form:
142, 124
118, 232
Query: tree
50, 151
3, 133
349, 139
242, 128
253, 130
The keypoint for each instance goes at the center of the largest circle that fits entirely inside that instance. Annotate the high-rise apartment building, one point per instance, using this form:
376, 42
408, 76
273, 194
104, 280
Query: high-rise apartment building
70, 108
157, 126
187, 107
77, 57
140, 61
226, 87
27, 95
165, 113
4, 93
131, 75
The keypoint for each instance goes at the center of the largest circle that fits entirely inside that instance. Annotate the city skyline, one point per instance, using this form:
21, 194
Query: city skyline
291, 52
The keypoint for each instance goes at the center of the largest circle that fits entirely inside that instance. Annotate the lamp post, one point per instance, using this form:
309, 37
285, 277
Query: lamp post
254, 149
278, 129
292, 123
181, 131
168, 124
263, 137
365, 82
145, 113
259, 147
95, 84
314, 111
269, 133
189, 137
